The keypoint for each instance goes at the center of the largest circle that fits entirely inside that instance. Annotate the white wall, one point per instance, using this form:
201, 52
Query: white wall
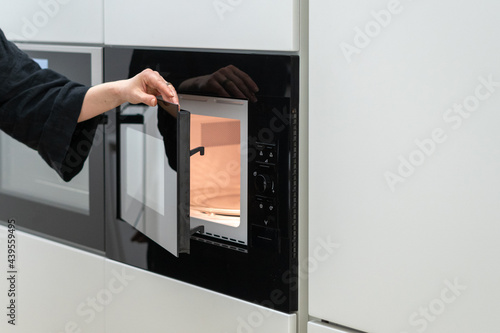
404, 164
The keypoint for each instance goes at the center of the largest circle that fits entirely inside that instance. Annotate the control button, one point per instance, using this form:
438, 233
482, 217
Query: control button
266, 153
263, 183
271, 155
270, 221
264, 212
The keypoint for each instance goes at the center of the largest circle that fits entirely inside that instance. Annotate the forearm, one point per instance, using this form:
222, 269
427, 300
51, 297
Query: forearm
101, 98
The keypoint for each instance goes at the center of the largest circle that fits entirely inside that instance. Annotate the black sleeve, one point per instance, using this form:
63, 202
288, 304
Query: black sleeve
40, 108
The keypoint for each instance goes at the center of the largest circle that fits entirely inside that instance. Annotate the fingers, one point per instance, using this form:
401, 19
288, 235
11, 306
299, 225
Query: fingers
175, 98
237, 83
245, 78
216, 85
154, 84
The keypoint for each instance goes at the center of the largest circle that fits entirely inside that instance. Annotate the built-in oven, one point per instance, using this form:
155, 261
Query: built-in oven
207, 192
31, 192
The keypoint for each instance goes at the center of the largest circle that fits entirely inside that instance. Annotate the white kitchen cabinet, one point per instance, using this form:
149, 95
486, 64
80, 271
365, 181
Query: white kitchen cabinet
404, 165
318, 327
216, 24
146, 302
64, 21
58, 288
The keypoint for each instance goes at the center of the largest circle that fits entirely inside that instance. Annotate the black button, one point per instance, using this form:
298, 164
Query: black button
263, 183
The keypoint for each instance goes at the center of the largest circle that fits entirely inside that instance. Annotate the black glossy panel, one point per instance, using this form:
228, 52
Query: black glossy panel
265, 271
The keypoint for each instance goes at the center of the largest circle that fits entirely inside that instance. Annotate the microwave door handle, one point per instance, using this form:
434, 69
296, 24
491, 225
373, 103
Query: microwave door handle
183, 181
184, 154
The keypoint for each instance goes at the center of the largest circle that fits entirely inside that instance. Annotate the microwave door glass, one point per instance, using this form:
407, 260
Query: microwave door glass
154, 175
148, 174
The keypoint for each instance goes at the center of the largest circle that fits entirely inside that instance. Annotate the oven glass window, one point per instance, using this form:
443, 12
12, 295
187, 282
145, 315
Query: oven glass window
216, 175
24, 174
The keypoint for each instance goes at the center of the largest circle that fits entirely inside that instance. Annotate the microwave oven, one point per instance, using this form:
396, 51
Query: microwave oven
207, 193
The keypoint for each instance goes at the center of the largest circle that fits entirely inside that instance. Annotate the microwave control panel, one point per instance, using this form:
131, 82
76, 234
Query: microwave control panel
273, 143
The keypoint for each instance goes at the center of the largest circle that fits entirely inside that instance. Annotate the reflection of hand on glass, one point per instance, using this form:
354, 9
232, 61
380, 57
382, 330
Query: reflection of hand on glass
228, 81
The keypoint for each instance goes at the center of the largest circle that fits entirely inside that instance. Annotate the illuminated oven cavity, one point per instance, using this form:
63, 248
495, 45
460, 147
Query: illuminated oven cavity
216, 175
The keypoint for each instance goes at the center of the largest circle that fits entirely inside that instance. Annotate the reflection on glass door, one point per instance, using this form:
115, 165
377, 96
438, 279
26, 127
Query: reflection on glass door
31, 191
148, 184
24, 174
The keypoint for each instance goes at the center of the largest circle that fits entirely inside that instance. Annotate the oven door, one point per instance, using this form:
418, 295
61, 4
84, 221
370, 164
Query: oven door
31, 192
183, 174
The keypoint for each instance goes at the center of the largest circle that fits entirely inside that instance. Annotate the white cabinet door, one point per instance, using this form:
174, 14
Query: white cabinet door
404, 165
317, 327
65, 21
146, 302
220, 24
57, 288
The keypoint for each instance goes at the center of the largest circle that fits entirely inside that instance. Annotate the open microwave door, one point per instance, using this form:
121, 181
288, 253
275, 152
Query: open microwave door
154, 174
162, 193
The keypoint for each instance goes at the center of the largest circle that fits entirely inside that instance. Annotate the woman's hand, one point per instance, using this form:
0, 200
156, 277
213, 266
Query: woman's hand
142, 88
145, 86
